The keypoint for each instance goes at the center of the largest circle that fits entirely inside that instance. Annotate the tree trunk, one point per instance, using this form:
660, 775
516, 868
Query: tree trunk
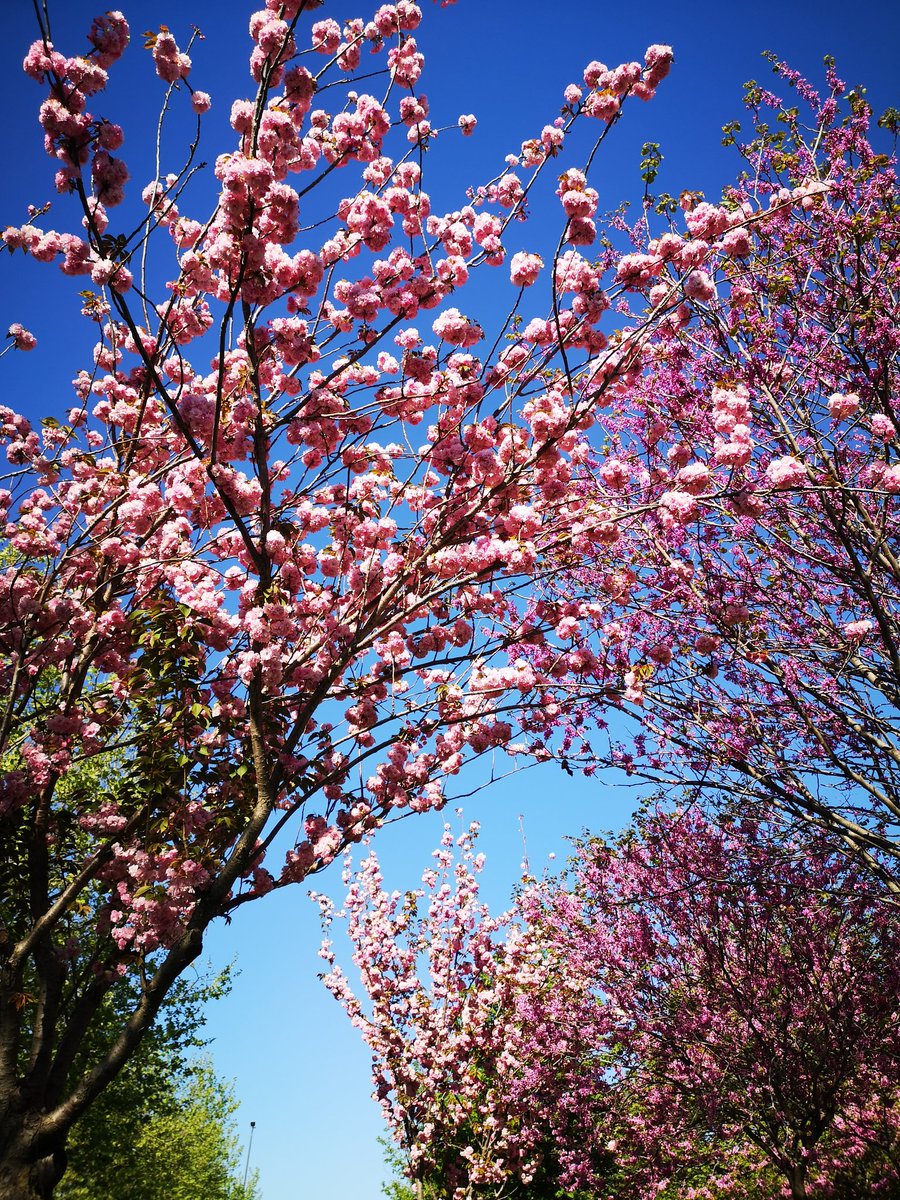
26, 1171
797, 1181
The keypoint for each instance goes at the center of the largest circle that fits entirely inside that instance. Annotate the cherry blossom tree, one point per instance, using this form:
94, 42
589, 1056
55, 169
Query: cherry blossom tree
748, 620
748, 986
469, 1099
438, 1015
700, 1011
267, 574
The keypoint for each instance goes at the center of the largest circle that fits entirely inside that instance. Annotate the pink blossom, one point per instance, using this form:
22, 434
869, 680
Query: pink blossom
658, 60
695, 478
682, 506
109, 34
842, 405
883, 427
171, 64
615, 473
326, 36
22, 339
453, 327
405, 63
786, 472
524, 268
857, 630
707, 221
699, 286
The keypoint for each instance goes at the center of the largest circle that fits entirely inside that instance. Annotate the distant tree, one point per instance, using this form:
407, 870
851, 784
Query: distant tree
702, 1011
163, 1128
182, 1146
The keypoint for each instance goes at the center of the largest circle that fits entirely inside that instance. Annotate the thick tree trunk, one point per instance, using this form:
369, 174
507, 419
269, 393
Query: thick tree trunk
21, 1180
797, 1182
26, 1171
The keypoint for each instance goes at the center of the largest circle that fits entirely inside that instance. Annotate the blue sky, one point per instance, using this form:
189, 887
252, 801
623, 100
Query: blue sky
298, 1065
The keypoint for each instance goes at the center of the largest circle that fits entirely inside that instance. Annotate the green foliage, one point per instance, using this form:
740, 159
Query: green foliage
164, 1127
397, 1188
183, 1147
651, 161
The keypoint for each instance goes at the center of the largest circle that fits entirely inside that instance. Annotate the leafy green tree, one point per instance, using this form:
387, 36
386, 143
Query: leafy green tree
186, 1148
164, 1127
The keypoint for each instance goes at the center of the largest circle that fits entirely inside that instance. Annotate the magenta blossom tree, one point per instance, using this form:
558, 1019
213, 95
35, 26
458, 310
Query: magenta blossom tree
747, 986
267, 569
748, 622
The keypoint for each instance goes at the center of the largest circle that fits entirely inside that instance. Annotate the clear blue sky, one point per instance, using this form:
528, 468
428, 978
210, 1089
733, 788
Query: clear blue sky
300, 1071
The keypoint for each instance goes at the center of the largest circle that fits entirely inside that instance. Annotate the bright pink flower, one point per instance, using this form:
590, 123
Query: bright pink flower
857, 630
524, 268
453, 327
699, 286
883, 427
786, 472
171, 64
109, 34
22, 339
841, 405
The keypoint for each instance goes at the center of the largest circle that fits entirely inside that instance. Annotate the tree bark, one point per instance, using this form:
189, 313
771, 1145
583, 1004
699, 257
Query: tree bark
28, 1171
797, 1181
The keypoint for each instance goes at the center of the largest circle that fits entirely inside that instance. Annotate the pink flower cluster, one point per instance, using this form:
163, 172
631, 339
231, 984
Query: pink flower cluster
22, 339
170, 62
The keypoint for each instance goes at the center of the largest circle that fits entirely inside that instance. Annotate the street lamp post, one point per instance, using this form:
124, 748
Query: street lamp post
249, 1148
